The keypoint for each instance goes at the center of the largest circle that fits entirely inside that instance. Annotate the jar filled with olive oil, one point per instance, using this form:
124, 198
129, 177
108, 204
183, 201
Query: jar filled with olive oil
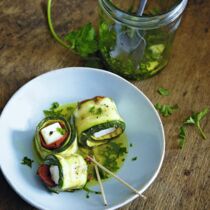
134, 46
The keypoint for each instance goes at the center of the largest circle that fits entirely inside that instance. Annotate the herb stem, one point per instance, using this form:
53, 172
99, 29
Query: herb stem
49, 20
201, 132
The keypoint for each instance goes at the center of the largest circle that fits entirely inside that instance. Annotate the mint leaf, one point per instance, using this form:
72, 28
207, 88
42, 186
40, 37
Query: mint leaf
164, 92
83, 40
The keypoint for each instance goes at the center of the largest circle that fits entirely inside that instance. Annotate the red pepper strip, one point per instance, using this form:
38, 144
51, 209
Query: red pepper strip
55, 144
44, 173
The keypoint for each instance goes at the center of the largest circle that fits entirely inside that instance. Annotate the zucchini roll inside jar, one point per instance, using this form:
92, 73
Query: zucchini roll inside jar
97, 121
60, 173
54, 135
135, 46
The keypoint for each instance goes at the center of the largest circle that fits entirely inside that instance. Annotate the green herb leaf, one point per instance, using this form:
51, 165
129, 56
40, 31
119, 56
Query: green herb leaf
52, 110
166, 110
27, 161
99, 111
131, 144
134, 158
164, 92
83, 41
195, 119
182, 136
54, 105
62, 131
95, 111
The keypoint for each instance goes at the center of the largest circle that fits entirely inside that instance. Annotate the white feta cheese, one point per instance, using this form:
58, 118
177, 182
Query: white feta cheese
51, 134
54, 171
104, 132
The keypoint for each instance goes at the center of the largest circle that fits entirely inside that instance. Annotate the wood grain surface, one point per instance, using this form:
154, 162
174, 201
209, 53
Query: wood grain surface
27, 50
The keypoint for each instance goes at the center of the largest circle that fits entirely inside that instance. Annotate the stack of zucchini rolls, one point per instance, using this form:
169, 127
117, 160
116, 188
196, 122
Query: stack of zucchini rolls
94, 122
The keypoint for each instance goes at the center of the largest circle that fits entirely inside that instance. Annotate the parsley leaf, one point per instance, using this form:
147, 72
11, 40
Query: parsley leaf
195, 120
83, 40
166, 110
134, 158
62, 131
52, 110
27, 161
164, 92
182, 136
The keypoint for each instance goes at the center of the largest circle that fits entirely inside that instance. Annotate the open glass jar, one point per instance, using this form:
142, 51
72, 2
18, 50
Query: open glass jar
138, 47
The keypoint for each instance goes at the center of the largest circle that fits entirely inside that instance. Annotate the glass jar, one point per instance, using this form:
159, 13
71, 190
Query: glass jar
138, 47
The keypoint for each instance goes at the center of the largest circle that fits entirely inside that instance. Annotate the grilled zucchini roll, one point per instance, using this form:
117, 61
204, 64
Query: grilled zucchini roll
63, 173
97, 121
54, 135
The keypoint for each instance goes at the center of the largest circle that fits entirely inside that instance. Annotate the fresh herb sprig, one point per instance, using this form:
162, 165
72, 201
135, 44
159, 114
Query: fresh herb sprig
166, 110
52, 111
163, 91
182, 136
62, 131
195, 119
83, 41
27, 161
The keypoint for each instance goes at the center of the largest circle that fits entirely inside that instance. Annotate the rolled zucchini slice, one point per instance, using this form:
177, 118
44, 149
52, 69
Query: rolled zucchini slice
54, 135
97, 121
63, 173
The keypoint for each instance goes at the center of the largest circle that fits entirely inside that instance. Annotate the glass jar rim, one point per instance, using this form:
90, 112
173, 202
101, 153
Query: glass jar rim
143, 22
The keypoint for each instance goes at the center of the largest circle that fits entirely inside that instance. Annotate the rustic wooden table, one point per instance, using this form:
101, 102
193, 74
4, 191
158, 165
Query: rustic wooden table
27, 50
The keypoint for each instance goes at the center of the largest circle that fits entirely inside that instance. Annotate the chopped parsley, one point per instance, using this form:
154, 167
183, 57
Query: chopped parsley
163, 91
182, 136
134, 158
110, 155
54, 105
52, 110
27, 161
99, 111
195, 119
166, 110
92, 109
95, 111
83, 40
62, 131
131, 144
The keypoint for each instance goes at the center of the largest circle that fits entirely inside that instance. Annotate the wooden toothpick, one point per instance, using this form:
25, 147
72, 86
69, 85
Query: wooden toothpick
116, 177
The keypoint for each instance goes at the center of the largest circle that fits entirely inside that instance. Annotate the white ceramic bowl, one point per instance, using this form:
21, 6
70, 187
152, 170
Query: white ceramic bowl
24, 110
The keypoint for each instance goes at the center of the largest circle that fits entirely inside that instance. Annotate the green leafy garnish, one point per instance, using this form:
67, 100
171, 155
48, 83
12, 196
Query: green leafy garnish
195, 119
131, 144
62, 131
99, 111
164, 92
27, 161
54, 105
182, 136
134, 158
166, 110
110, 155
52, 110
83, 41
95, 111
